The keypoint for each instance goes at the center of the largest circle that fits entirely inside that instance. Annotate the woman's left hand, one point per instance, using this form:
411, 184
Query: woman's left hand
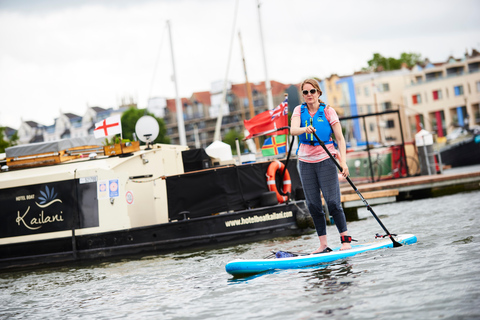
345, 171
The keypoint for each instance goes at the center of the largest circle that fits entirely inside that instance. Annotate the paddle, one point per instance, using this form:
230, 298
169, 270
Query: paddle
395, 243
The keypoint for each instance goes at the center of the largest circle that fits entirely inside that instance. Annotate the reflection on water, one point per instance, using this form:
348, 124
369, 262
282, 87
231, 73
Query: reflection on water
331, 278
435, 278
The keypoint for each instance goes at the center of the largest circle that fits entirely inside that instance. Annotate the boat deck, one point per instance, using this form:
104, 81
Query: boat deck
449, 182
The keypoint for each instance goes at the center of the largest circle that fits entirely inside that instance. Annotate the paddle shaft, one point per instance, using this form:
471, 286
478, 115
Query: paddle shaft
395, 243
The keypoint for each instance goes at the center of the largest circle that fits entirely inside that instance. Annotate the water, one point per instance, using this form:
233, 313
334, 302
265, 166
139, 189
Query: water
437, 278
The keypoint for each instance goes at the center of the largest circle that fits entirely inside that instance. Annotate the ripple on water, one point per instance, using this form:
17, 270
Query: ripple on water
434, 278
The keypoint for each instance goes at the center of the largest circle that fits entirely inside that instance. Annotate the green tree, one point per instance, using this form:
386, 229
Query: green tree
411, 59
379, 62
130, 118
4, 144
230, 137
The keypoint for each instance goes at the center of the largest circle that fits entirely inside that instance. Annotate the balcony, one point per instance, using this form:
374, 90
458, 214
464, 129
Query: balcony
438, 78
456, 71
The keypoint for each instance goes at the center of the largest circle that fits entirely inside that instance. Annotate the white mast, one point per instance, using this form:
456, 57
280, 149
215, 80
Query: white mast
217, 135
267, 80
178, 104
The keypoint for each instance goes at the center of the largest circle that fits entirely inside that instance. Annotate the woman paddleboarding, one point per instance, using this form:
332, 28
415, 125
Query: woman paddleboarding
317, 170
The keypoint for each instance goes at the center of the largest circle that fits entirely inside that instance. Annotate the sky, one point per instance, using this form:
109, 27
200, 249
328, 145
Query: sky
65, 55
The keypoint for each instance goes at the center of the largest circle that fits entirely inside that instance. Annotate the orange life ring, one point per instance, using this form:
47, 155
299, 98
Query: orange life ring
272, 185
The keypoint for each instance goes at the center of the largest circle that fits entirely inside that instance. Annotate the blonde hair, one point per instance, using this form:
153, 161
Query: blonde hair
313, 83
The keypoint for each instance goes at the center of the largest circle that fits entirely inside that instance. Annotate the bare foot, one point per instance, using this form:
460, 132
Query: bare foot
345, 246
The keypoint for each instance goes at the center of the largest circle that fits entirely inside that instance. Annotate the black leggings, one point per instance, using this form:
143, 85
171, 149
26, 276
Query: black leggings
322, 176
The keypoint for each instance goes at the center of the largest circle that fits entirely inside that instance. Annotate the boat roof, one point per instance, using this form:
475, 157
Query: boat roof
51, 146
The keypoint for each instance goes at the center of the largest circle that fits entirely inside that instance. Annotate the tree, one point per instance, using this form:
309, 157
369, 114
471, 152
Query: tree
381, 63
411, 59
4, 144
230, 137
130, 118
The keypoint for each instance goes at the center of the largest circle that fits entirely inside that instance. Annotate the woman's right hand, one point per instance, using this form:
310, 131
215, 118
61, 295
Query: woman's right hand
309, 130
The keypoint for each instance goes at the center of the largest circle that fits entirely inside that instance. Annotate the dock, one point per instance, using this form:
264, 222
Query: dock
419, 187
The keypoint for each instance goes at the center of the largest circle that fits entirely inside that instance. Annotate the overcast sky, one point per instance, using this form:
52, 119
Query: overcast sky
64, 55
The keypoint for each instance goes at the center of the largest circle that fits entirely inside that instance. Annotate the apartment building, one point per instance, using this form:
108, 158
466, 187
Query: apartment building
201, 110
443, 96
332, 93
367, 93
438, 97
378, 92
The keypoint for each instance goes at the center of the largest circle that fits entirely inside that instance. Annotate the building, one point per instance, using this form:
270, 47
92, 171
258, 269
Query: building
67, 125
332, 93
438, 97
201, 110
364, 94
30, 132
378, 92
443, 96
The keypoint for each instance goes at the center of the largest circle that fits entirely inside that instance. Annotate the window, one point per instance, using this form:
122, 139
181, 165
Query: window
458, 90
386, 105
474, 67
258, 102
437, 95
367, 92
200, 111
384, 87
390, 124
433, 75
456, 71
478, 86
189, 111
417, 99
369, 108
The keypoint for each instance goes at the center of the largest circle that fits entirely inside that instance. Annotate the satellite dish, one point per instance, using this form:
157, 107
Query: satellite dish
147, 130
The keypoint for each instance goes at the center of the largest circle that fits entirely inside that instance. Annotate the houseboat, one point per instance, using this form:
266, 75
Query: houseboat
462, 150
75, 200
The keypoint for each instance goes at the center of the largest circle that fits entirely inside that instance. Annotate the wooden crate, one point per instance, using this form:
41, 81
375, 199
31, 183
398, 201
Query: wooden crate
112, 150
128, 147
121, 148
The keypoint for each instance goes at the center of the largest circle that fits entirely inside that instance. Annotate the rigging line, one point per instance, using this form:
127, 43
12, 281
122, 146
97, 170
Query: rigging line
156, 61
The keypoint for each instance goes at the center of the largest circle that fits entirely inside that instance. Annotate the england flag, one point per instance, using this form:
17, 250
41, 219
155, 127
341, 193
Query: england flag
108, 127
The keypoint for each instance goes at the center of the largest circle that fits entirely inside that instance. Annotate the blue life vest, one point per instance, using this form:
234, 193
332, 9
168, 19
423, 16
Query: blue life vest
319, 122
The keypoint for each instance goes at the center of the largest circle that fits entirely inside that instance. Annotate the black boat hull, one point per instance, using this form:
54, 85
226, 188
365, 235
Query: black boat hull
210, 231
464, 153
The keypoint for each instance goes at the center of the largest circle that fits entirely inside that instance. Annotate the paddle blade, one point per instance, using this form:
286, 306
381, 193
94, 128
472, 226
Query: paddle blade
395, 243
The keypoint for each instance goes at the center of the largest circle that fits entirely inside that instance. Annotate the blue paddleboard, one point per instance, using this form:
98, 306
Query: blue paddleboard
244, 267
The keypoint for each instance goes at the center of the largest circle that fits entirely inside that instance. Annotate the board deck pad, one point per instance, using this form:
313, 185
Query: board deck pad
253, 266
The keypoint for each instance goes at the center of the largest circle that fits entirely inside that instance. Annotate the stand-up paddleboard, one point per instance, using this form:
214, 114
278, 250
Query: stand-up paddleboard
245, 267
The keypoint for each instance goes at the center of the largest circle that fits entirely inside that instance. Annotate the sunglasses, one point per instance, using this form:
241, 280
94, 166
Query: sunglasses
312, 91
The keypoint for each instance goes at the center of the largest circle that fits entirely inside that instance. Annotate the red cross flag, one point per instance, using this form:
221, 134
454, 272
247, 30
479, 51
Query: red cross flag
108, 127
